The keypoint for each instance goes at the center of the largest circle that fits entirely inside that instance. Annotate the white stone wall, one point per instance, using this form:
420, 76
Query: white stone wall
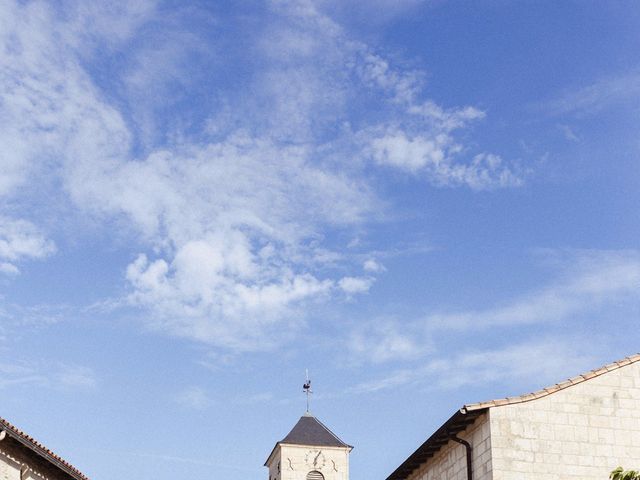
293, 465
9, 466
33, 467
450, 463
581, 432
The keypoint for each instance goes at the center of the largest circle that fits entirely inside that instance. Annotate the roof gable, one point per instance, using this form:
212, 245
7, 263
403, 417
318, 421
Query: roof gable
466, 415
554, 388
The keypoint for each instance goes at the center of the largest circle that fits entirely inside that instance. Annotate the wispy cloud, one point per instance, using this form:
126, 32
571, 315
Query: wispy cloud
548, 360
587, 282
20, 239
604, 93
194, 397
382, 340
592, 279
54, 375
229, 211
569, 133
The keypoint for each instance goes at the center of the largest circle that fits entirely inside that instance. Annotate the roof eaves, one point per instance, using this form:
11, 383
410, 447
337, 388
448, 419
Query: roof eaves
458, 422
41, 450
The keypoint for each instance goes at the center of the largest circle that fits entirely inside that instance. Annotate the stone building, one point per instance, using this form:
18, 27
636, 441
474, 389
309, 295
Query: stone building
309, 452
24, 458
578, 429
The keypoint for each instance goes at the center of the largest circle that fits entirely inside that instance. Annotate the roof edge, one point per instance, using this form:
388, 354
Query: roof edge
333, 434
457, 423
38, 448
527, 397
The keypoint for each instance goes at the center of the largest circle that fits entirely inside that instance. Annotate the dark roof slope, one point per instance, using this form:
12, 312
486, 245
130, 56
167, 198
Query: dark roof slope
310, 431
41, 450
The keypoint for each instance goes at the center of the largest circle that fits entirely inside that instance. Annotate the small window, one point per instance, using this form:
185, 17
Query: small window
315, 475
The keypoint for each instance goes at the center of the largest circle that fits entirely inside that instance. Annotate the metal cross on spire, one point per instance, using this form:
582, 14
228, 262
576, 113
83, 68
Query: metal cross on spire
306, 388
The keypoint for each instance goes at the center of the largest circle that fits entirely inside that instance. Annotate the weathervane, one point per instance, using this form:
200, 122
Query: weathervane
306, 388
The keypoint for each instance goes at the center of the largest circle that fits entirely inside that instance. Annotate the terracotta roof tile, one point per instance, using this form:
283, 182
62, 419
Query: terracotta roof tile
41, 450
554, 388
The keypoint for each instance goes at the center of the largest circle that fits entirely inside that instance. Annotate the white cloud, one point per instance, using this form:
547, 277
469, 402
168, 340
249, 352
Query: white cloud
373, 266
230, 220
424, 141
396, 150
232, 223
435, 156
8, 268
351, 285
447, 120
20, 239
403, 86
416, 135
224, 309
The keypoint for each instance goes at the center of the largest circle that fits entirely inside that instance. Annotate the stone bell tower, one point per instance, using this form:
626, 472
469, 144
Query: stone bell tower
309, 452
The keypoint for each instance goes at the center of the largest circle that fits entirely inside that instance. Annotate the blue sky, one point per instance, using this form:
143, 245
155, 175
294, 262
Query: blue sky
425, 203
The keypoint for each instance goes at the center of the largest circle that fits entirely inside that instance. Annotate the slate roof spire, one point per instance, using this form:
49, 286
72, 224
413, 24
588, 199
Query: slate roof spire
310, 431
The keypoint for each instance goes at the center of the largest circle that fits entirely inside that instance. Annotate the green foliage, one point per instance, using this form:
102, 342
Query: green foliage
620, 474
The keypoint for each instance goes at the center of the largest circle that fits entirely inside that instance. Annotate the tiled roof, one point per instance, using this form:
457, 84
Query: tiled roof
465, 416
310, 431
554, 388
41, 450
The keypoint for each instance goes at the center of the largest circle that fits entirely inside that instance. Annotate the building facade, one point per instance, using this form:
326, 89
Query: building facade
24, 458
309, 452
578, 429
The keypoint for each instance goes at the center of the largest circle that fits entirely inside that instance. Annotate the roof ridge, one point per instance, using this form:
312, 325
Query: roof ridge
553, 388
41, 449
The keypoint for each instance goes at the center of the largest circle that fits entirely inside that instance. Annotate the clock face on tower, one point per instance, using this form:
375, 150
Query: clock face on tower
315, 459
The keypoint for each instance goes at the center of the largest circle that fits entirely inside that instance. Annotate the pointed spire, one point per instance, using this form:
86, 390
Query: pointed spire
310, 431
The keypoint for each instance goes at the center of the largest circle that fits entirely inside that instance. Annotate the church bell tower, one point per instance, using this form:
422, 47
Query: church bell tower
309, 452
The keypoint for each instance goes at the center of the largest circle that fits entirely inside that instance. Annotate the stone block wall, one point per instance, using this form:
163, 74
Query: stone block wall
581, 432
293, 463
